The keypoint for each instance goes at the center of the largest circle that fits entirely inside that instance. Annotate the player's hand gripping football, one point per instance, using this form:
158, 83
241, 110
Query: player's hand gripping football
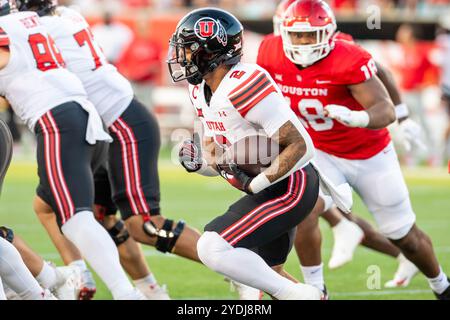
236, 177
190, 154
346, 116
412, 134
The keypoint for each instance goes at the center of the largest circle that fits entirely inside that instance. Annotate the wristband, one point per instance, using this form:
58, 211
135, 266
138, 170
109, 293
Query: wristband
361, 118
401, 111
259, 183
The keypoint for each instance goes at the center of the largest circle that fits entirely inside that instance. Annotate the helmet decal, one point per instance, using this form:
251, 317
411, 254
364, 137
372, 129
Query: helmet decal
208, 28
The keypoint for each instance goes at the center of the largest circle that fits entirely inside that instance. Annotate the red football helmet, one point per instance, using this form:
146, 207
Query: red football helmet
279, 13
308, 16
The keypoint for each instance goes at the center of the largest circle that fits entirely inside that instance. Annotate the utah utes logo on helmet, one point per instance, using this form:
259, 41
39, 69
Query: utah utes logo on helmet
208, 28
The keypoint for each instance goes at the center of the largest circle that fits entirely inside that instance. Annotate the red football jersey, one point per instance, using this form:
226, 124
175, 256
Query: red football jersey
325, 82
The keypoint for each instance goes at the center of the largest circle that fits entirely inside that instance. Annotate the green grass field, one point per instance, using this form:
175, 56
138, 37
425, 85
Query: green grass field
197, 200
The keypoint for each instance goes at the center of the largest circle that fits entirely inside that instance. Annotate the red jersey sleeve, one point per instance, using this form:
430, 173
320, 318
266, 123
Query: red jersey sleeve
265, 54
352, 64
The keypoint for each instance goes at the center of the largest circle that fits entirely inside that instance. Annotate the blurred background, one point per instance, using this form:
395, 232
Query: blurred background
409, 37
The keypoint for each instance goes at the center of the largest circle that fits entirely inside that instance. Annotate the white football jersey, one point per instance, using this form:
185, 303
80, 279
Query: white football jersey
107, 89
247, 102
34, 80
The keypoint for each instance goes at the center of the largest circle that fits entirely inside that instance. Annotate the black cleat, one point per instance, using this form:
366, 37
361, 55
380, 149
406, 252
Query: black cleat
444, 295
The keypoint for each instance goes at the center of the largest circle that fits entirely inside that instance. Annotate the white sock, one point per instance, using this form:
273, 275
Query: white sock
99, 250
2, 292
241, 265
16, 275
145, 282
80, 264
440, 283
341, 226
48, 276
313, 275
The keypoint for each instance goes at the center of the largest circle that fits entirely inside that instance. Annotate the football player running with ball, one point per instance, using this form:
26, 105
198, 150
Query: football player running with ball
332, 87
234, 101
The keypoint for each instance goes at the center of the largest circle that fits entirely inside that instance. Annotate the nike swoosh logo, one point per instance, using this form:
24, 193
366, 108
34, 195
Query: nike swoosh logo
322, 81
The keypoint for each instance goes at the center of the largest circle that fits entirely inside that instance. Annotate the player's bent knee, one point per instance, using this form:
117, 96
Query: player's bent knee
166, 236
210, 247
394, 222
398, 233
7, 234
118, 233
409, 243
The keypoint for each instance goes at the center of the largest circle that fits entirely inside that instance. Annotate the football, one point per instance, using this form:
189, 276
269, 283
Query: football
253, 154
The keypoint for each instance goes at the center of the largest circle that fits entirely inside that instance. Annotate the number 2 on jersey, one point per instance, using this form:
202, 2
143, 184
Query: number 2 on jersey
45, 52
83, 37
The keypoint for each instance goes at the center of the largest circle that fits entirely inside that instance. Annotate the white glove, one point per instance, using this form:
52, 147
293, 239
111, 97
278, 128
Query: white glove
412, 134
346, 116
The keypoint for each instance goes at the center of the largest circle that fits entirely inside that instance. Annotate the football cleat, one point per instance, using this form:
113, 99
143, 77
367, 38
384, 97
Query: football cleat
405, 272
156, 292
88, 287
245, 292
133, 295
69, 284
444, 295
301, 291
347, 236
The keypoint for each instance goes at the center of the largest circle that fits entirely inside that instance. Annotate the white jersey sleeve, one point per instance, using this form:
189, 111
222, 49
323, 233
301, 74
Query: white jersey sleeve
34, 80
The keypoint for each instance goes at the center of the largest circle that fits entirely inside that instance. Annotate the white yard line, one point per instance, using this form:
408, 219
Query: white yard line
379, 292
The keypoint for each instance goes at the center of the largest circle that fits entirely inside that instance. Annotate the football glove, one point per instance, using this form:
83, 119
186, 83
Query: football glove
346, 116
412, 134
190, 154
236, 177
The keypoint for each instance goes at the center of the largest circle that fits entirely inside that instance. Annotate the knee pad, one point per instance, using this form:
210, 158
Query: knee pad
210, 248
166, 238
118, 233
398, 233
395, 222
7, 234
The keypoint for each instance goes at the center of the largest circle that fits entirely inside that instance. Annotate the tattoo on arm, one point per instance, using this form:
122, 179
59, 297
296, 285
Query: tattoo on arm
292, 147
